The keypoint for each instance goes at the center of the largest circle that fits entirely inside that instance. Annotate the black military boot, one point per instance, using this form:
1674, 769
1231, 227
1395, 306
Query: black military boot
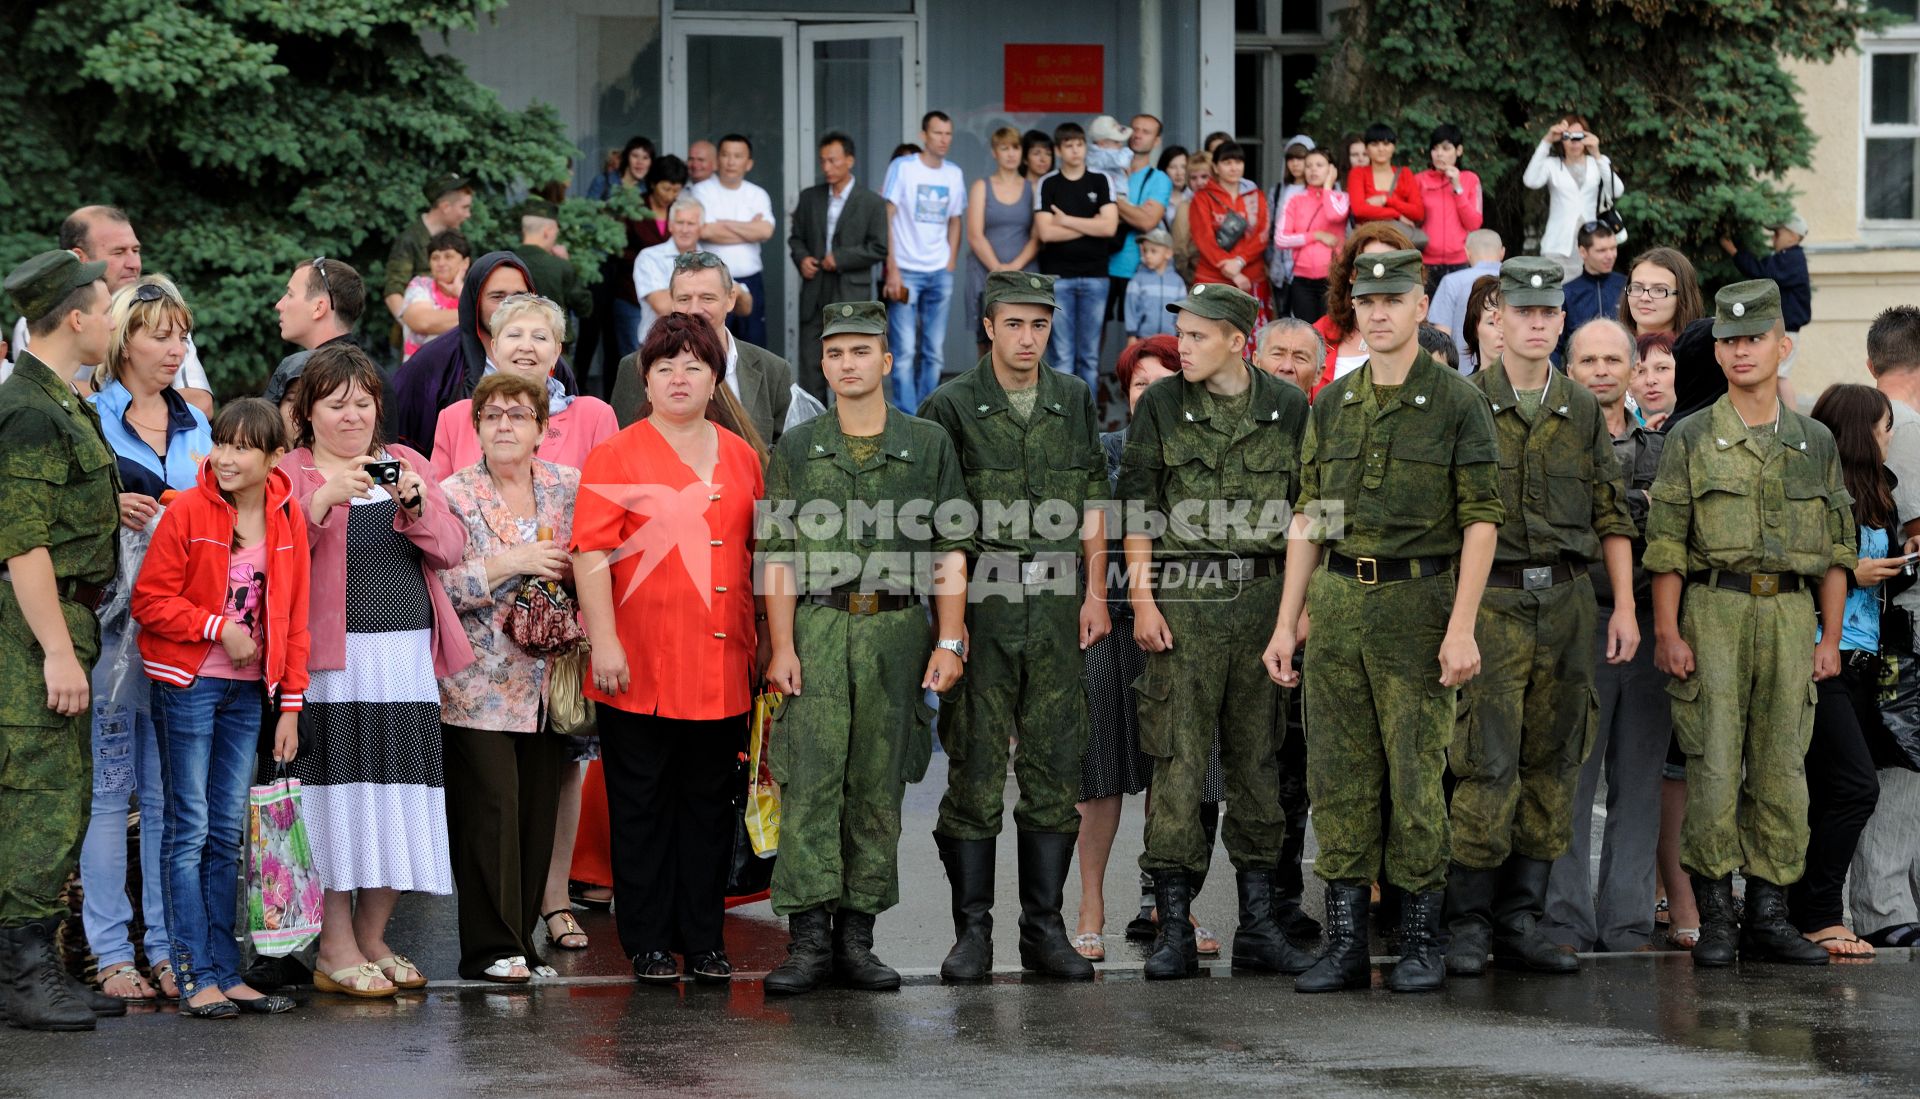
969, 866
1175, 954
1714, 896
1469, 918
1140, 929
1045, 858
809, 956
37, 996
1522, 901
1258, 943
1421, 968
1344, 963
1767, 936
1290, 888
853, 959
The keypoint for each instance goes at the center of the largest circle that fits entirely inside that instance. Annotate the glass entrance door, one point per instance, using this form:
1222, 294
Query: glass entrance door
785, 84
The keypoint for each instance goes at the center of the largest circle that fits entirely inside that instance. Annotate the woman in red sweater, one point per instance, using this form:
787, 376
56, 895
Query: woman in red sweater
1220, 255
1453, 202
1381, 191
222, 605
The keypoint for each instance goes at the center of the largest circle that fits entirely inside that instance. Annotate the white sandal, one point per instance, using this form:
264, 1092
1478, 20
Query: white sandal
502, 971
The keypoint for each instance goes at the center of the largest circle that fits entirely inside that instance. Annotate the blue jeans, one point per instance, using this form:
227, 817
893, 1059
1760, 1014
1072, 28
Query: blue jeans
752, 327
624, 336
209, 735
1080, 309
917, 333
126, 761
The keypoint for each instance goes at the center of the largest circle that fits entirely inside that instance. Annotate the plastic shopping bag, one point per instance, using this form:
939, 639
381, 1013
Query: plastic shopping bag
763, 793
283, 890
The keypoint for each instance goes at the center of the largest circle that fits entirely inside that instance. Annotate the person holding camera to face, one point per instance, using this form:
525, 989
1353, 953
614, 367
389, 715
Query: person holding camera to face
1568, 164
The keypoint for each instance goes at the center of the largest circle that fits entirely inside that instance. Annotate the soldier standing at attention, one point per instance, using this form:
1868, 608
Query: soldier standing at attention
853, 651
1029, 447
59, 509
1528, 720
1749, 512
1399, 476
1219, 431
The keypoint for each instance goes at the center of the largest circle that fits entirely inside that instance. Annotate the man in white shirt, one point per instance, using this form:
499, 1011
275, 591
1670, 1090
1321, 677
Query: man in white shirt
739, 220
653, 267
926, 198
105, 233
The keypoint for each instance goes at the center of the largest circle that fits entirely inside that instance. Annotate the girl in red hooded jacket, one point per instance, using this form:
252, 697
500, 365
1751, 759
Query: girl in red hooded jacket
221, 601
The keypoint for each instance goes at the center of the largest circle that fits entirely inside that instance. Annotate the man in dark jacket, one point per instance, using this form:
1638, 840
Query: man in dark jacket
839, 233
1597, 290
1787, 265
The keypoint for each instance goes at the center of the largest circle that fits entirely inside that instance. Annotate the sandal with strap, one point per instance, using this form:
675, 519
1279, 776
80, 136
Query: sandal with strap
1091, 946
1206, 941
391, 965
502, 971
1844, 945
572, 930
125, 971
1684, 938
162, 973
355, 980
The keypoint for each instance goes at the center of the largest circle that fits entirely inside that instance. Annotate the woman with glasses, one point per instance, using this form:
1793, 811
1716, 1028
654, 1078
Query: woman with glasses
1569, 165
1662, 295
504, 768
158, 442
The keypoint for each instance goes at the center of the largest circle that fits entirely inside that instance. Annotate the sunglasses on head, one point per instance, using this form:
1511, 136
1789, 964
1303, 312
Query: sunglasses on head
151, 292
319, 266
694, 261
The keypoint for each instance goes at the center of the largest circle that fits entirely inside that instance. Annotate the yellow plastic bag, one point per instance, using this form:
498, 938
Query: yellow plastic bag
763, 793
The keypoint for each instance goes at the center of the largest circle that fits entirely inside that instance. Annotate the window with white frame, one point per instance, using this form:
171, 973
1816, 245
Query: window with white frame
1890, 118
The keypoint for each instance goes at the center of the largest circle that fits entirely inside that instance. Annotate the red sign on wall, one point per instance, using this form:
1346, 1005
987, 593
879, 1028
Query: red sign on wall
1055, 79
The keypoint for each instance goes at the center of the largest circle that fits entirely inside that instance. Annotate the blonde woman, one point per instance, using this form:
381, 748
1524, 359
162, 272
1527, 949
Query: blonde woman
158, 441
1000, 233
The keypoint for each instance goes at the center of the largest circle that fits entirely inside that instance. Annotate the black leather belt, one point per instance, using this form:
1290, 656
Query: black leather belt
85, 593
1755, 583
1231, 568
1373, 570
863, 603
1534, 577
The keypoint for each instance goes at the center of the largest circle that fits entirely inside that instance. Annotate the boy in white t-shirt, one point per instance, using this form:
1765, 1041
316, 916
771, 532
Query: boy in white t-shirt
926, 198
739, 220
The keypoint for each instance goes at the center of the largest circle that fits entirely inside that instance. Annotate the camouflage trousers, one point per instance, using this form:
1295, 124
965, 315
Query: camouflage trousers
1744, 719
1023, 678
843, 751
1212, 679
1526, 725
1377, 715
46, 784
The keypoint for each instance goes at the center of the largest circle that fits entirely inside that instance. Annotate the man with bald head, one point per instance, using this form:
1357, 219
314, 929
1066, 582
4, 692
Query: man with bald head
1615, 913
105, 234
702, 160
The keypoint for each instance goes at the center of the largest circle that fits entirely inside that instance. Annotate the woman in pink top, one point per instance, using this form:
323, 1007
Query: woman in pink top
526, 341
1313, 227
1453, 204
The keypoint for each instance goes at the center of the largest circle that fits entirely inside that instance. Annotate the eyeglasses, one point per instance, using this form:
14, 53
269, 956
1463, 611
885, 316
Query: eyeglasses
696, 261
1651, 293
320, 268
519, 417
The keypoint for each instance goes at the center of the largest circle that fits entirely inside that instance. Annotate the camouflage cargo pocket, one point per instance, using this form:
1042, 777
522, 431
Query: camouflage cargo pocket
918, 752
1153, 697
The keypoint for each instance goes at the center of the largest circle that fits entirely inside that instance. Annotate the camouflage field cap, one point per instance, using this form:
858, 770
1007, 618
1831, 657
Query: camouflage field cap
1746, 309
1221, 303
866, 318
1532, 280
539, 208
1018, 288
1393, 272
441, 184
39, 285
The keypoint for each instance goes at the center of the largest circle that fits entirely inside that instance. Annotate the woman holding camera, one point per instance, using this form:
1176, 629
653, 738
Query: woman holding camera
383, 634
1569, 165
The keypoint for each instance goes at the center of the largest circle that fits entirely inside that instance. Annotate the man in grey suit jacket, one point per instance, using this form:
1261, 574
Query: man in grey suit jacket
762, 380
839, 233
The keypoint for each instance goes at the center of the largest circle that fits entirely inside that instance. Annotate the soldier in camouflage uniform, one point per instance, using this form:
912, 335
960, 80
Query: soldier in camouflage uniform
1749, 513
1527, 720
853, 651
59, 510
1029, 446
1224, 437
1398, 474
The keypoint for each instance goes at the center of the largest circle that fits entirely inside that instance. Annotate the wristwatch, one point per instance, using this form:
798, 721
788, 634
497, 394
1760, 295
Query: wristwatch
953, 645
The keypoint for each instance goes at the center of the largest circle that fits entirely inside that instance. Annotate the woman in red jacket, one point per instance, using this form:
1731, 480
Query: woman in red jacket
1223, 252
222, 607
1380, 191
1452, 199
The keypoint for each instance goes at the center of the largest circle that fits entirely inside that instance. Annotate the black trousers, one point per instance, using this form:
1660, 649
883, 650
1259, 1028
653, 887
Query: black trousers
503, 791
1842, 788
671, 786
1306, 299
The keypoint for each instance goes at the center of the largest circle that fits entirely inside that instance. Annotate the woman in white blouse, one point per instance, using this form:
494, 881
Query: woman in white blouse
1568, 164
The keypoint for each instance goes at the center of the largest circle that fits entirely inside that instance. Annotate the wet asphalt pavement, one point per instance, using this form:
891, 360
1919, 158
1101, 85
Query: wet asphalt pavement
1643, 1024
